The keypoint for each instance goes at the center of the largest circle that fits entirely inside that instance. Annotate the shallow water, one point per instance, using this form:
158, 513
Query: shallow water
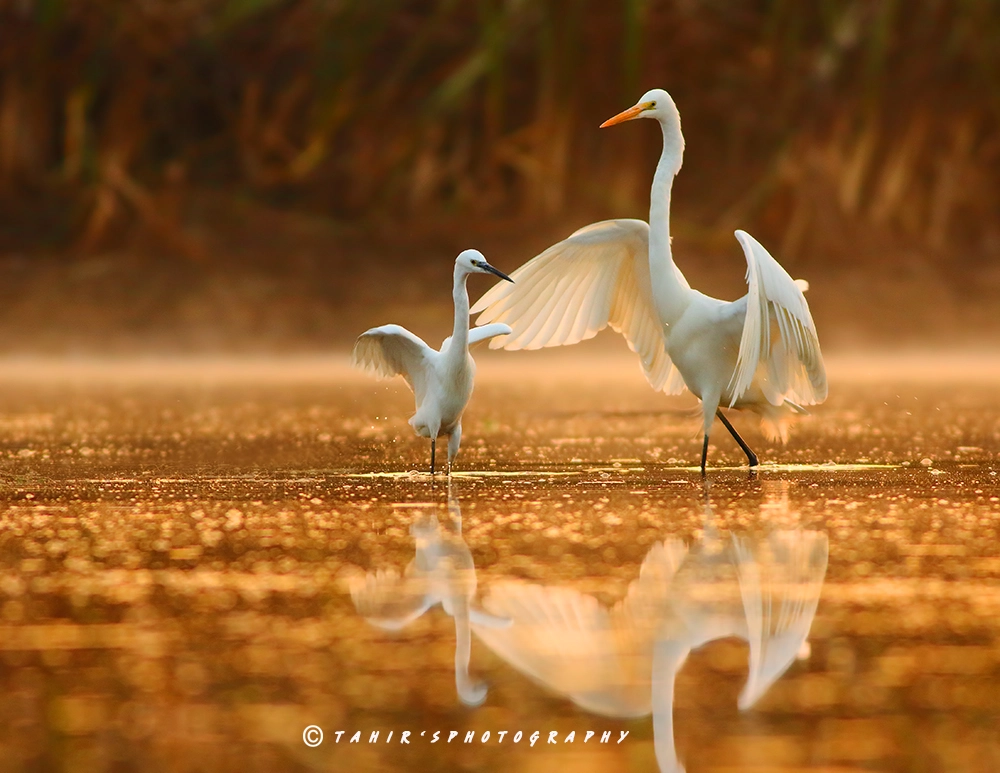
198, 561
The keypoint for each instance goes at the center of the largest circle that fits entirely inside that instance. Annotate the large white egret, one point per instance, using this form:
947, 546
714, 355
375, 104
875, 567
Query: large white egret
759, 353
441, 380
623, 661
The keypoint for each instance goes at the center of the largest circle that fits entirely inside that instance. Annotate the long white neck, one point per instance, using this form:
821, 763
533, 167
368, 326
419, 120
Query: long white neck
460, 293
668, 657
670, 289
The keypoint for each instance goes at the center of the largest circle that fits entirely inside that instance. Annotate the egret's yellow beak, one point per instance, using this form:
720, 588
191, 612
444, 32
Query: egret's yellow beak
628, 115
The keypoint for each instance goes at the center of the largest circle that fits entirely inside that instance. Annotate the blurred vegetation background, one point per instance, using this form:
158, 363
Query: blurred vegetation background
194, 132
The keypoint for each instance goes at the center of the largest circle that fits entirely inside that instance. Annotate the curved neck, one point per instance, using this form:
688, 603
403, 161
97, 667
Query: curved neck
460, 333
668, 657
670, 288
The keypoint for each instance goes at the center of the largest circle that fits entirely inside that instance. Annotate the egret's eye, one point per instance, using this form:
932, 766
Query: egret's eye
652, 105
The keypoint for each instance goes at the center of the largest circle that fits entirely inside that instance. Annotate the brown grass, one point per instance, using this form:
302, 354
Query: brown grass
823, 126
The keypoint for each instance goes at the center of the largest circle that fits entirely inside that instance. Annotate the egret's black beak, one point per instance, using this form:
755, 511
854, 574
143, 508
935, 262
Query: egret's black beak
498, 272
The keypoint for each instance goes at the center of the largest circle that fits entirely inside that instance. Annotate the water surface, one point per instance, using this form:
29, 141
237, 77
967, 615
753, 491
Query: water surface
199, 560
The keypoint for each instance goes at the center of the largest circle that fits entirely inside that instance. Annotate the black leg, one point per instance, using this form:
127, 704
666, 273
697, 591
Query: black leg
751, 456
704, 455
433, 443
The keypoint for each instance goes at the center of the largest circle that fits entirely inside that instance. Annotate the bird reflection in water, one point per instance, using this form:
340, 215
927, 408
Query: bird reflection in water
441, 572
622, 662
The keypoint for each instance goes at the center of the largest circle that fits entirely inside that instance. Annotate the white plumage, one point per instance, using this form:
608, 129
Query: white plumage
441, 380
760, 352
600, 658
441, 572
623, 661
597, 277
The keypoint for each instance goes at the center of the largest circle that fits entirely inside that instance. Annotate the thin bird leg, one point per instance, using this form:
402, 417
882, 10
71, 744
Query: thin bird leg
433, 443
454, 441
751, 456
704, 455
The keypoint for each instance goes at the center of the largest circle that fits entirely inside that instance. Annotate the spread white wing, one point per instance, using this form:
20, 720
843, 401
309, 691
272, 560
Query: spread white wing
479, 334
599, 658
391, 350
486, 332
389, 601
597, 277
567, 641
778, 334
780, 583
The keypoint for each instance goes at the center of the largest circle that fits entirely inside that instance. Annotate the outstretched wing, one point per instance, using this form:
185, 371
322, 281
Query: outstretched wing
389, 601
778, 333
479, 334
597, 277
780, 582
566, 640
391, 350
486, 332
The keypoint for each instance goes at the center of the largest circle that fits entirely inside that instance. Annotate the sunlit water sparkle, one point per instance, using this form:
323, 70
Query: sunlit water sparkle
176, 556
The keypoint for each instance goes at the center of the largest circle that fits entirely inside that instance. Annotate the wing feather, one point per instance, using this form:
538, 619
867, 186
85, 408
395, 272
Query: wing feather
578, 319
546, 304
391, 350
566, 640
780, 584
778, 333
485, 332
561, 316
389, 601
597, 277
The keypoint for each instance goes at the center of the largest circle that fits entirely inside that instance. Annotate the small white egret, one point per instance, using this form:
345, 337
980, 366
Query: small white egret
759, 353
441, 380
441, 572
